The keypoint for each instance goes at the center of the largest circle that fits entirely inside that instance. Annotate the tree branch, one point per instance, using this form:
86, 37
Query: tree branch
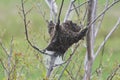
10, 57
69, 10
5, 50
3, 66
107, 37
26, 32
76, 10
8, 67
90, 34
98, 70
79, 5
69, 60
77, 73
110, 77
90, 39
105, 10
69, 74
53, 9
58, 21
85, 14
100, 21
42, 13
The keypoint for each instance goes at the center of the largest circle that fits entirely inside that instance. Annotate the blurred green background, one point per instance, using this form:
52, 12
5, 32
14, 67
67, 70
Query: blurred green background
30, 64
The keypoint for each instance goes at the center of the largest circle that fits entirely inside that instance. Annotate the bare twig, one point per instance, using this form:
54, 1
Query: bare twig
76, 10
69, 10
10, 57
3, 66
101, 59
90, 57
68, 62
100, 21
68, 58
9, 63
107, 37
42, 13
79, 5
26, 32
72, 78
13, 68
54, 75
29, 11
105, 10
78, 70
53, 9
5, 50
58, 21
98, 70
110, 77
85, 14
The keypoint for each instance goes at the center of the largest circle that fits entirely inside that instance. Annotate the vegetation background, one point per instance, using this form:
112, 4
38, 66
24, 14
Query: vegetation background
30, 64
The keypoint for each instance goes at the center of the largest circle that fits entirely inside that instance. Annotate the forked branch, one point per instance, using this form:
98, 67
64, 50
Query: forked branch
69, 10
26, 31
80, 5
53, 9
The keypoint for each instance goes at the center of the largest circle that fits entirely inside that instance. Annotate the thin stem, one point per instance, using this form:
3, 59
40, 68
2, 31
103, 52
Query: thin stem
53, 9
76, 11
42, 13
68, 62
78, 71
100, 21
5, 50
107, 37
3, 66
69, 10
110, 77
105, 10
9, 57
58, 22
68, 58
79, 5
26, 32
